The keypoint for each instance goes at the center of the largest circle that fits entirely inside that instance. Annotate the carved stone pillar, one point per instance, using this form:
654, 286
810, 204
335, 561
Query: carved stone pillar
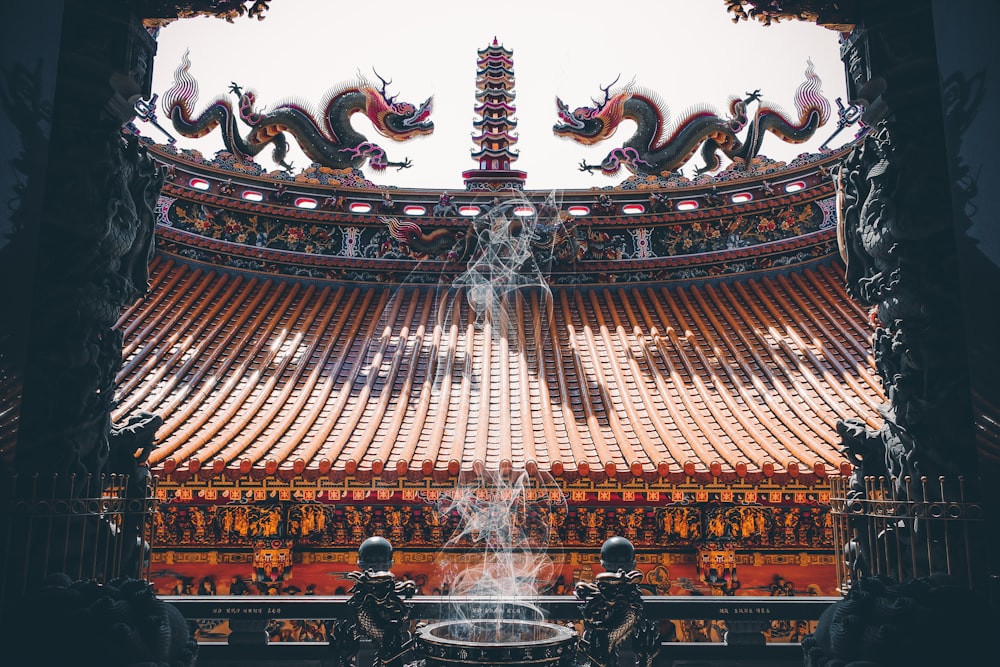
92, 232
96, 232
899, 241
908, 201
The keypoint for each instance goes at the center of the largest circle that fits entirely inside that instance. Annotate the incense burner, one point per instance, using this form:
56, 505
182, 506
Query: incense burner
506, 642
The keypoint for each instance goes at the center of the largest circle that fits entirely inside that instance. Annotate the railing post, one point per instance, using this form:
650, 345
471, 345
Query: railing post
248, 631
748, 632
379, 614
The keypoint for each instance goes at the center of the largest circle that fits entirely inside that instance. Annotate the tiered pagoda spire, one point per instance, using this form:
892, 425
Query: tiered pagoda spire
493, 138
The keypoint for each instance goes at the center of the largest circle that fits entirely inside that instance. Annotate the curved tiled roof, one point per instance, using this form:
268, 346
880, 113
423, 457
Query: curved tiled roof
258, 376
663, 331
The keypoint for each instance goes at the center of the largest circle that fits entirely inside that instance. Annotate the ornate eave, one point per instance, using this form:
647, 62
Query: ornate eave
487, 93
493, 135
498, 86
494, 74
494, 182
506, 121
495, 52
505, 153
158, 13
673, 244
495, 106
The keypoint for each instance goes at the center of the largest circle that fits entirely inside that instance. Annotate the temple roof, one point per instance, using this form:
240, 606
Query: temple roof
661, 333
258, 376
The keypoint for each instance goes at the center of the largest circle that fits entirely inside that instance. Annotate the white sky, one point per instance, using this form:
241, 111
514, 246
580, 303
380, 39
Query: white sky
689, 52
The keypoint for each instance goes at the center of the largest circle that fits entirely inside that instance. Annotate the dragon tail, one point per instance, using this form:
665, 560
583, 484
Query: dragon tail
813, 111
809, 98
181, 97
179, 101
403, 232
183, 93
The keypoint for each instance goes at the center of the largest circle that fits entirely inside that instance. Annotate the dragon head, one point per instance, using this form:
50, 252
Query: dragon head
397, 120
589, 125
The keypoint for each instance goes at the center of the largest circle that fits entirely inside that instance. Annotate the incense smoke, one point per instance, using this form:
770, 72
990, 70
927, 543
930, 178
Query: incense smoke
506, 517
503, 545
488, 325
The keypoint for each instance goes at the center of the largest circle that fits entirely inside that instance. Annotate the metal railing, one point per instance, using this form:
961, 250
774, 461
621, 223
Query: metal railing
906, 528
741, 623
85, 526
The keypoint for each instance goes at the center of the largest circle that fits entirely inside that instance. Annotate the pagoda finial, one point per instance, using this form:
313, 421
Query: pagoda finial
495, 134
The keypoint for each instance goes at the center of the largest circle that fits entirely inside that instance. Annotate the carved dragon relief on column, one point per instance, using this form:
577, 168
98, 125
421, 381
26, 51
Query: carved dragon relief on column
99, 245
897, 238
95, 237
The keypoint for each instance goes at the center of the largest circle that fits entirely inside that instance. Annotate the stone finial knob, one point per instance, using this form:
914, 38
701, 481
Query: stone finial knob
617, 554
375, 553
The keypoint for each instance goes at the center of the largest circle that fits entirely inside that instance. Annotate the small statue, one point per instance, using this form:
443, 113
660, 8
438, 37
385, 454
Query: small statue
446, 205
660, 203
380, 613
388, 204
281, 194
613, 612
130, 443
713, 197
604, 204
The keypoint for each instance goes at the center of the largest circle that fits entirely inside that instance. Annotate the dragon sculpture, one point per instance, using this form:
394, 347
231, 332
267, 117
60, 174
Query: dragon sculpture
380, 614
658, 148
613, 616
423, 244
554, 237
330, 142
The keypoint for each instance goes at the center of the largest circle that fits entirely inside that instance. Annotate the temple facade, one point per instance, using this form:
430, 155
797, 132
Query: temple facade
715, 367
665, 360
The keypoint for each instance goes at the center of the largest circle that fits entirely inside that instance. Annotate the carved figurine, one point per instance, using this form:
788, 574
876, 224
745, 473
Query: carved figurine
613, 617
380, 613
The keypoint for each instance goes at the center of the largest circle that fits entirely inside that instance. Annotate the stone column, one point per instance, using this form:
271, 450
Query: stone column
81, 245
899, 240
908, 201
